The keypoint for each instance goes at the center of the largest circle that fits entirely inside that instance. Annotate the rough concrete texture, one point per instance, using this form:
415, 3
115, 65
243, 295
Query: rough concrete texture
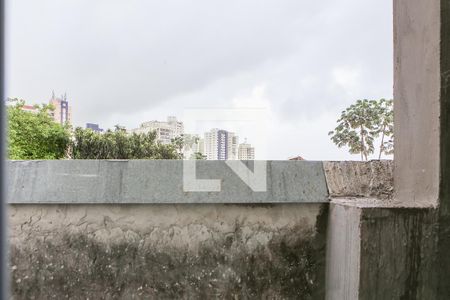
417, 89
444, 205
422, 118
167, 251
382, 253
343, 253
443, 269
445, 109
157, 181
373, 179
161, 182
397, 251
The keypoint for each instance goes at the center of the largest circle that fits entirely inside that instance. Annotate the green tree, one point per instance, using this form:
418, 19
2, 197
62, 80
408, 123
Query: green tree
386, 126
35, 135
361, 123
118, 144
179, 143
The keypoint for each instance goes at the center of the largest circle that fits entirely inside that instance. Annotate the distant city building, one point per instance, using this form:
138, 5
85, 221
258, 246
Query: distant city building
25, 107
201, 146
246, 151
233, 146
30, 108
63, 112
296, 158
94, 127
165, 131
220, 145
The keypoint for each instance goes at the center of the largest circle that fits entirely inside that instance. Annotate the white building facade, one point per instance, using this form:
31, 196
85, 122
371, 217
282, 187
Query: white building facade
165, 131
246, 152
219, 144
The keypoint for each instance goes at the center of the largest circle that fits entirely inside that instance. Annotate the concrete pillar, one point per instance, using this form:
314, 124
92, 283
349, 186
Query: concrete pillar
376, 252
401, 249
416, 101
444, 184
422, 116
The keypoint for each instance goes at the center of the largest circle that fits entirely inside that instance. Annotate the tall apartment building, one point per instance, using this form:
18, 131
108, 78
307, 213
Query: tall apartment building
234, 140
165, 131
63, 112
220, 145
246, 152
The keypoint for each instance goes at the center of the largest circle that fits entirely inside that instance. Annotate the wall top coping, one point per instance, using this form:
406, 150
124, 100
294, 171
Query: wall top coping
165, 181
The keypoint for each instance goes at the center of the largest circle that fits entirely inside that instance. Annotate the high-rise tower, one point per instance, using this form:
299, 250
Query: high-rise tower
63, 112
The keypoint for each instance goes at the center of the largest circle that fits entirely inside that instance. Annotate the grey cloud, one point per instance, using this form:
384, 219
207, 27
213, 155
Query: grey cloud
121, 56
120, 59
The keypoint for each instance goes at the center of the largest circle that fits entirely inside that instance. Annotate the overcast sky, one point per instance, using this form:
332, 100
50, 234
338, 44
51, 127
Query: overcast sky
129, 61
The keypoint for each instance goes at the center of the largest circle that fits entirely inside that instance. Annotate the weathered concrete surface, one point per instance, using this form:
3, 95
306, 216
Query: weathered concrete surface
93, 181
404, 252
416, 95
124, 250
167, 251
397, 247
422, 118
343, 253
372, 179
157, 181
381, 253
444, 195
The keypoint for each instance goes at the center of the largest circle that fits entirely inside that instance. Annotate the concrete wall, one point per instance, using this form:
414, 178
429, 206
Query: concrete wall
167, 251
160, 181
373, 179
110, 247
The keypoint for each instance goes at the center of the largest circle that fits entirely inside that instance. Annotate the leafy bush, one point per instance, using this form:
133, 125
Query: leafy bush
35, 135
118, 144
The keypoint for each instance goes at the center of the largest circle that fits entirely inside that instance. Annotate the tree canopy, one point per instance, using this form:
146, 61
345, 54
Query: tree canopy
118, 144
362, 123
34, 135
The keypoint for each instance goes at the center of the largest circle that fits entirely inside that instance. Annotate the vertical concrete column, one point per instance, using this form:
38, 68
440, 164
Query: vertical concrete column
422, 117
444, 184
401, 249
417, 83
376, 252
